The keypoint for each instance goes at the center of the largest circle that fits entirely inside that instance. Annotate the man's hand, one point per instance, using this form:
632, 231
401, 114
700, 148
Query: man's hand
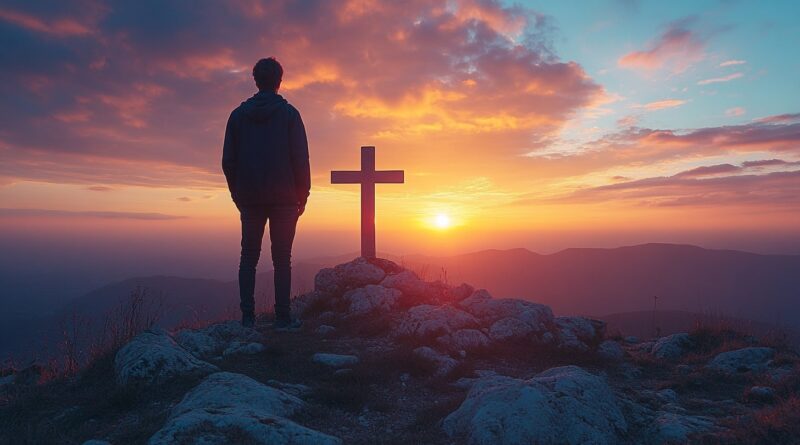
301, 207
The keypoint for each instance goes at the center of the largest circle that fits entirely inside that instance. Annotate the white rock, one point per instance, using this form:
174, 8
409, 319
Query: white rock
356, 273
406, 282
227, 406
755, 359
464, 340
510, 328
325, 330
428, 321
611, 350
565, 405
669, 428
631, 339
576, 332
236, 348
334, 360
371, 298
443, 365
153, 357
671, 347
295, 389
667, 395
216, 338
489, 310
96, 442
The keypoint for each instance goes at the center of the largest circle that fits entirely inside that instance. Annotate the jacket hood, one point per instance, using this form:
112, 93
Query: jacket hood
261, 106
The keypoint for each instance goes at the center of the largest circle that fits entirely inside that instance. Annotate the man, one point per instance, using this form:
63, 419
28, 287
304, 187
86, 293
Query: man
265, 160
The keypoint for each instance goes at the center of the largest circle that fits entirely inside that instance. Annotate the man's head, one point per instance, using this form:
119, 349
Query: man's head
268, 74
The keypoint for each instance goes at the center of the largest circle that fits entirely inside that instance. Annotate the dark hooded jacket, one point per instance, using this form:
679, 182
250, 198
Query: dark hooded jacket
265, 154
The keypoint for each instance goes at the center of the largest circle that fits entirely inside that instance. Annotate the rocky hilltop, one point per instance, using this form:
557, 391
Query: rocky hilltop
385, 357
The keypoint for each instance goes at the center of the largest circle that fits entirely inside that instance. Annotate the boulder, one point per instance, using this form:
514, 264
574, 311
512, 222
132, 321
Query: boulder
464, 340
489, 310
673, 428
242, 348
760, 393
334, 360
232, 408
578, 332
153, 357
325, 330
295, 389
371, 298
753, 359
564, 405
356, 273
212, 340
443, 364
428, 321
611, 350
672, 346
510, 328
461, 292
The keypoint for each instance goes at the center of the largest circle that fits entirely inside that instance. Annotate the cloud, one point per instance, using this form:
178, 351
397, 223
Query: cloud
99, 188
662, 104
142, 98
63, 27
764, 163
727, 78
677, 48
732, 62
709, 170
10, 212
775, 190
735, 111
184, 199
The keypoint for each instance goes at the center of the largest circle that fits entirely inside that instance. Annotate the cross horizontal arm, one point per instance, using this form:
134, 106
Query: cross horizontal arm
346, 177
389, 176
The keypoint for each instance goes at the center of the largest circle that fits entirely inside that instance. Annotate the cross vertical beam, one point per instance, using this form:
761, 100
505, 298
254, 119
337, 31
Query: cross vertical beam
368, 202
367, 177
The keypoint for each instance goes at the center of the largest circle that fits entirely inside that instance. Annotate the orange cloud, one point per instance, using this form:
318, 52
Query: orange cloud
662, 104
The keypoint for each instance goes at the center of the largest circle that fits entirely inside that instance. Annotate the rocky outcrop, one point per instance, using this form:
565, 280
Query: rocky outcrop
429, 322
357, 273
442, 364
233, 408
371, 299
564, 405
751, 359
671, 347
215, 339
153, 357
334, 360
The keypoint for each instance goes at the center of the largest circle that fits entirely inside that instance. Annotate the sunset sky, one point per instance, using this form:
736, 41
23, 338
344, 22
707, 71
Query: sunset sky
536, 124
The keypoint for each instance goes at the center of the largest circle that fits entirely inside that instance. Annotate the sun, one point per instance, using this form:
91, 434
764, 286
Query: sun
442, 221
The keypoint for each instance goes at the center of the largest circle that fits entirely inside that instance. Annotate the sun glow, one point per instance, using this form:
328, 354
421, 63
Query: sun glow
442, 221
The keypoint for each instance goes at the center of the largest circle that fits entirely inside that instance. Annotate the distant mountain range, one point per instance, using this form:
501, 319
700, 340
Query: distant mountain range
581, 281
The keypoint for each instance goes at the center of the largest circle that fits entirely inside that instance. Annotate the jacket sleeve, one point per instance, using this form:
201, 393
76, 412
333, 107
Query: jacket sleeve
299, 150
230, 155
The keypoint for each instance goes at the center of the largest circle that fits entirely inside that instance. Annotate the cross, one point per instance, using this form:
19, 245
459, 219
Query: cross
367, 177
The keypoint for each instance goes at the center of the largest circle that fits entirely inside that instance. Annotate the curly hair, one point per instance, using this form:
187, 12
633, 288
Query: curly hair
268, 74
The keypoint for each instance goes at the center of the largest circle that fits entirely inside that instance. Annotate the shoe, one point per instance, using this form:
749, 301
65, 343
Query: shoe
248, 319
287, 325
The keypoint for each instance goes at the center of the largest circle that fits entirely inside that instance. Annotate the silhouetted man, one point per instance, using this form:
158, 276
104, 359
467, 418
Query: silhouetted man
265, 160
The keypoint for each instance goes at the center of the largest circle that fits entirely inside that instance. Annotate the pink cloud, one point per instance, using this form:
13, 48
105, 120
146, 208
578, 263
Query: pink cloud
676, 49
727, 78
59, 27
732, 63
735, 111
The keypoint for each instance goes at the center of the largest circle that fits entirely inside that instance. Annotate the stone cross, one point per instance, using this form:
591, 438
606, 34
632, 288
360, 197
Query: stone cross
367, 177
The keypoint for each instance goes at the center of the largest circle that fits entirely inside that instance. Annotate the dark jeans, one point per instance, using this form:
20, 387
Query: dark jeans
282, 224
